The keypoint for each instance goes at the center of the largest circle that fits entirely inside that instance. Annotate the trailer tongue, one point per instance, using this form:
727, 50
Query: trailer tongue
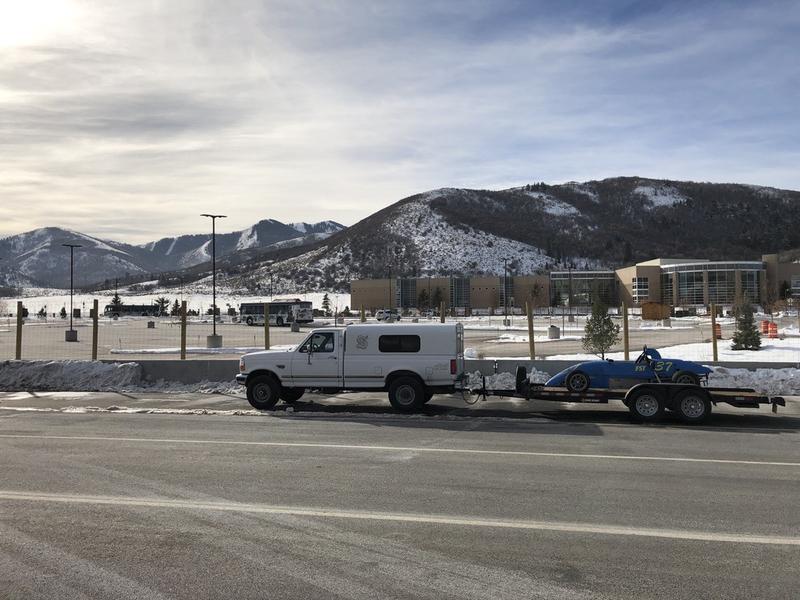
646, 401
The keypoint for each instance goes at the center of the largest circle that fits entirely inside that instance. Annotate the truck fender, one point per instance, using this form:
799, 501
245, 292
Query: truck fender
395, 374
260, 372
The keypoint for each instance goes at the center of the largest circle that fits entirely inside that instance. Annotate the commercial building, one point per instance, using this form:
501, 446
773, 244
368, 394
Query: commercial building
676, 283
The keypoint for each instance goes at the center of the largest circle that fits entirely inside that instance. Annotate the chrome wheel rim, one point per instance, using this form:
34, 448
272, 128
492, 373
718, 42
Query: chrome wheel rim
693, 407
647, 405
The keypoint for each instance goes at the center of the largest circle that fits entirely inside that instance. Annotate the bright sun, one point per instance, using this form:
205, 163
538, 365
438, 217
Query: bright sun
28, 22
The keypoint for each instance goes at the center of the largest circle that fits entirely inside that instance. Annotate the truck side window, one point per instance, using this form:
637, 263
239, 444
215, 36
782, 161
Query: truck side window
399, 343
319, 342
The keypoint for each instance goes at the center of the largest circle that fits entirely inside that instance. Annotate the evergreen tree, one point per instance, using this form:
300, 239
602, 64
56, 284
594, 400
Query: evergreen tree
63, 312
176, 309
746, 336
116, 301
326, 305
436, 299
423, 300
601, 333
163, 305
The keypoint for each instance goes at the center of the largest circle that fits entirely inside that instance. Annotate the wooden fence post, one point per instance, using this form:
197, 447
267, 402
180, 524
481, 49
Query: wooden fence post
531, 340
715, 356
18, 353
441, 311
626, 341
183, 330
266, 326
363, 314
95, 308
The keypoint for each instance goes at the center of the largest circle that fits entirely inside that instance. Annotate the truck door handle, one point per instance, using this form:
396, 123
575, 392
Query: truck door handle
332, 358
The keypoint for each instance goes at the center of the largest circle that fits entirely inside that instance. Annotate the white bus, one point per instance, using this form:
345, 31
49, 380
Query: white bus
281, 312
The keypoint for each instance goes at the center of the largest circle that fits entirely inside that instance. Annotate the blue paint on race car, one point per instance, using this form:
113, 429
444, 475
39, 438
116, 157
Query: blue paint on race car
608, 374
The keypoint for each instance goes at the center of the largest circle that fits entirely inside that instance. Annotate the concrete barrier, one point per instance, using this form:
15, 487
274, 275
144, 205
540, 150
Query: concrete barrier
192, 371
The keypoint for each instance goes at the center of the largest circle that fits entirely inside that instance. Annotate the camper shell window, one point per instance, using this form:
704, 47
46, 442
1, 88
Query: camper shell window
399, 343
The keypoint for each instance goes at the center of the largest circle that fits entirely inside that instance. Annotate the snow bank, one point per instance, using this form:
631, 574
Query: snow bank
502, 381
68, 375
771, 382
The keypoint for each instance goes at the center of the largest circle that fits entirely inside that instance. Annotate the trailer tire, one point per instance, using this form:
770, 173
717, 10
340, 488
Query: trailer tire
646, 405
686, 377
263, 392
692, 406
290, 395
577, 381
406, 394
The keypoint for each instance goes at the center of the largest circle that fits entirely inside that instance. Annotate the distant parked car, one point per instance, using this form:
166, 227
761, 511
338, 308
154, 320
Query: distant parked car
609, 374
386, 314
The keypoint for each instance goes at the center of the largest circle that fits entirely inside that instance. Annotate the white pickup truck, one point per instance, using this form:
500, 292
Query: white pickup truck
412, 362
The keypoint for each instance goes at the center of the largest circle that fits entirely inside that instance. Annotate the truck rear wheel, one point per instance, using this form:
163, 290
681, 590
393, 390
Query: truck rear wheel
406, 394
692, 406
263, 392
646, 405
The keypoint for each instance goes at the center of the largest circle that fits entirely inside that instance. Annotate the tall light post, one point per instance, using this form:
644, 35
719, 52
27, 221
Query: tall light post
71, 335
214, 340
505, 292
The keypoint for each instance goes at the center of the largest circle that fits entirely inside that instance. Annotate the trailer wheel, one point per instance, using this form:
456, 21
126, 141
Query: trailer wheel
686, 377
646, 405
263, 392
692, 406
290, 395
406, 394
577, 381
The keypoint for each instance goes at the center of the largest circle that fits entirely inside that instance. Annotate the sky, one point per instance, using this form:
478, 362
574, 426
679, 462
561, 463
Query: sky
127, 119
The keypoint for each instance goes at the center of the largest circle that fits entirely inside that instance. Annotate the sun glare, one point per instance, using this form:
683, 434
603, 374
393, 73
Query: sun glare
29, 22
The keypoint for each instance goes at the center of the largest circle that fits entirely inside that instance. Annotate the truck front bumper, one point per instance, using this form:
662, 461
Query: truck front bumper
241, 378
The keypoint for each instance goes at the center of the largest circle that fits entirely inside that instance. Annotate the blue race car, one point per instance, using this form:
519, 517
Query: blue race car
609, 374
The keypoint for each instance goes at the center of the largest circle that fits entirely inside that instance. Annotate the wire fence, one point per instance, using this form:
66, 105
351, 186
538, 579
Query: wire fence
51, 337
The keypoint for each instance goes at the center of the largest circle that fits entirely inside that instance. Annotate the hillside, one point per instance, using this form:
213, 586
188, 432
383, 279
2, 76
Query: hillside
36, 258
597, 223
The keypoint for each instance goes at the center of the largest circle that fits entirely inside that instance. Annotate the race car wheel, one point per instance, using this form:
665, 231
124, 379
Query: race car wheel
263, 392
692, 407
686, 377
577, 381
290, 395
646, 405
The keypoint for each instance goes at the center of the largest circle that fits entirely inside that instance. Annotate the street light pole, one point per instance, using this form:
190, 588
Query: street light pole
505, 291
214, 341
71, 335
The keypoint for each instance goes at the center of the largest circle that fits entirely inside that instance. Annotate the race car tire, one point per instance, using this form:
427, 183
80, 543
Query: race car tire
577, 382
686, 377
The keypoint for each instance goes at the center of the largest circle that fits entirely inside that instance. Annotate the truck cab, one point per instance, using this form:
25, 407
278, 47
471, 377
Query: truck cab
411, 362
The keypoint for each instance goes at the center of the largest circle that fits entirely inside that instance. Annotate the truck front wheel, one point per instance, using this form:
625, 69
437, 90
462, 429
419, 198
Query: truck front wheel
263, 392
406, 394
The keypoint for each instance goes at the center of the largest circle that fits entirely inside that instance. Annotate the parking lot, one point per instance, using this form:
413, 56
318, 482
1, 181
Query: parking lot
340, 497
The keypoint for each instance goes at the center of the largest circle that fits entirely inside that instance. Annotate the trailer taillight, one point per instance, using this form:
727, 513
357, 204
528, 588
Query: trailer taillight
453, 366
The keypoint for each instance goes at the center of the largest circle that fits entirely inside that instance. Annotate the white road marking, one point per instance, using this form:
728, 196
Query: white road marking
426, 449
589, 528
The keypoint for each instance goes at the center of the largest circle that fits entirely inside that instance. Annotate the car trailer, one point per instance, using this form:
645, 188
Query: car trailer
647, 402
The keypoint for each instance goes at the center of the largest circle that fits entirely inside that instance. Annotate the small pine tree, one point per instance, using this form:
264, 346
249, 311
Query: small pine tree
423, 300
63, 312
163, 305
600, 333
746, 336
326, 305
116, 301
176, 309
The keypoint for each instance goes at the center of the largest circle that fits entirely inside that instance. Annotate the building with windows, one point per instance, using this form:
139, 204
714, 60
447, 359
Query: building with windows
675, 282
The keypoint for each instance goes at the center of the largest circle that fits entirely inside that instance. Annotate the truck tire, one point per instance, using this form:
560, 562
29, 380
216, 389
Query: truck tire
577, 381
686, 377
406, 394
692, 406
646, 405
249, 321
290, 395
263, 392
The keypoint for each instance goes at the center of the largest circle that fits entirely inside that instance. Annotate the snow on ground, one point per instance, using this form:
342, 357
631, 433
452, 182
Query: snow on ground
68, 375
777, 350
553, 206
772, 382
663, 195
199, 350
507, 338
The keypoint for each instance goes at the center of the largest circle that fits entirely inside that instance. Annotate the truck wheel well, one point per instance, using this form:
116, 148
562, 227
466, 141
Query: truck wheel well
394, 375
259, 373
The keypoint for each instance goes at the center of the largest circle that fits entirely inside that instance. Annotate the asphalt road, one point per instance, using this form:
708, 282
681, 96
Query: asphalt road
343, 499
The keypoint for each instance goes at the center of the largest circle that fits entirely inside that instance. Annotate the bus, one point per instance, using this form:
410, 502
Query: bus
281, 312
132, 310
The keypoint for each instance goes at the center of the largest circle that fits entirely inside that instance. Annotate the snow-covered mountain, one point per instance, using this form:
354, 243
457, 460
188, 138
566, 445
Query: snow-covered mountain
37, 258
